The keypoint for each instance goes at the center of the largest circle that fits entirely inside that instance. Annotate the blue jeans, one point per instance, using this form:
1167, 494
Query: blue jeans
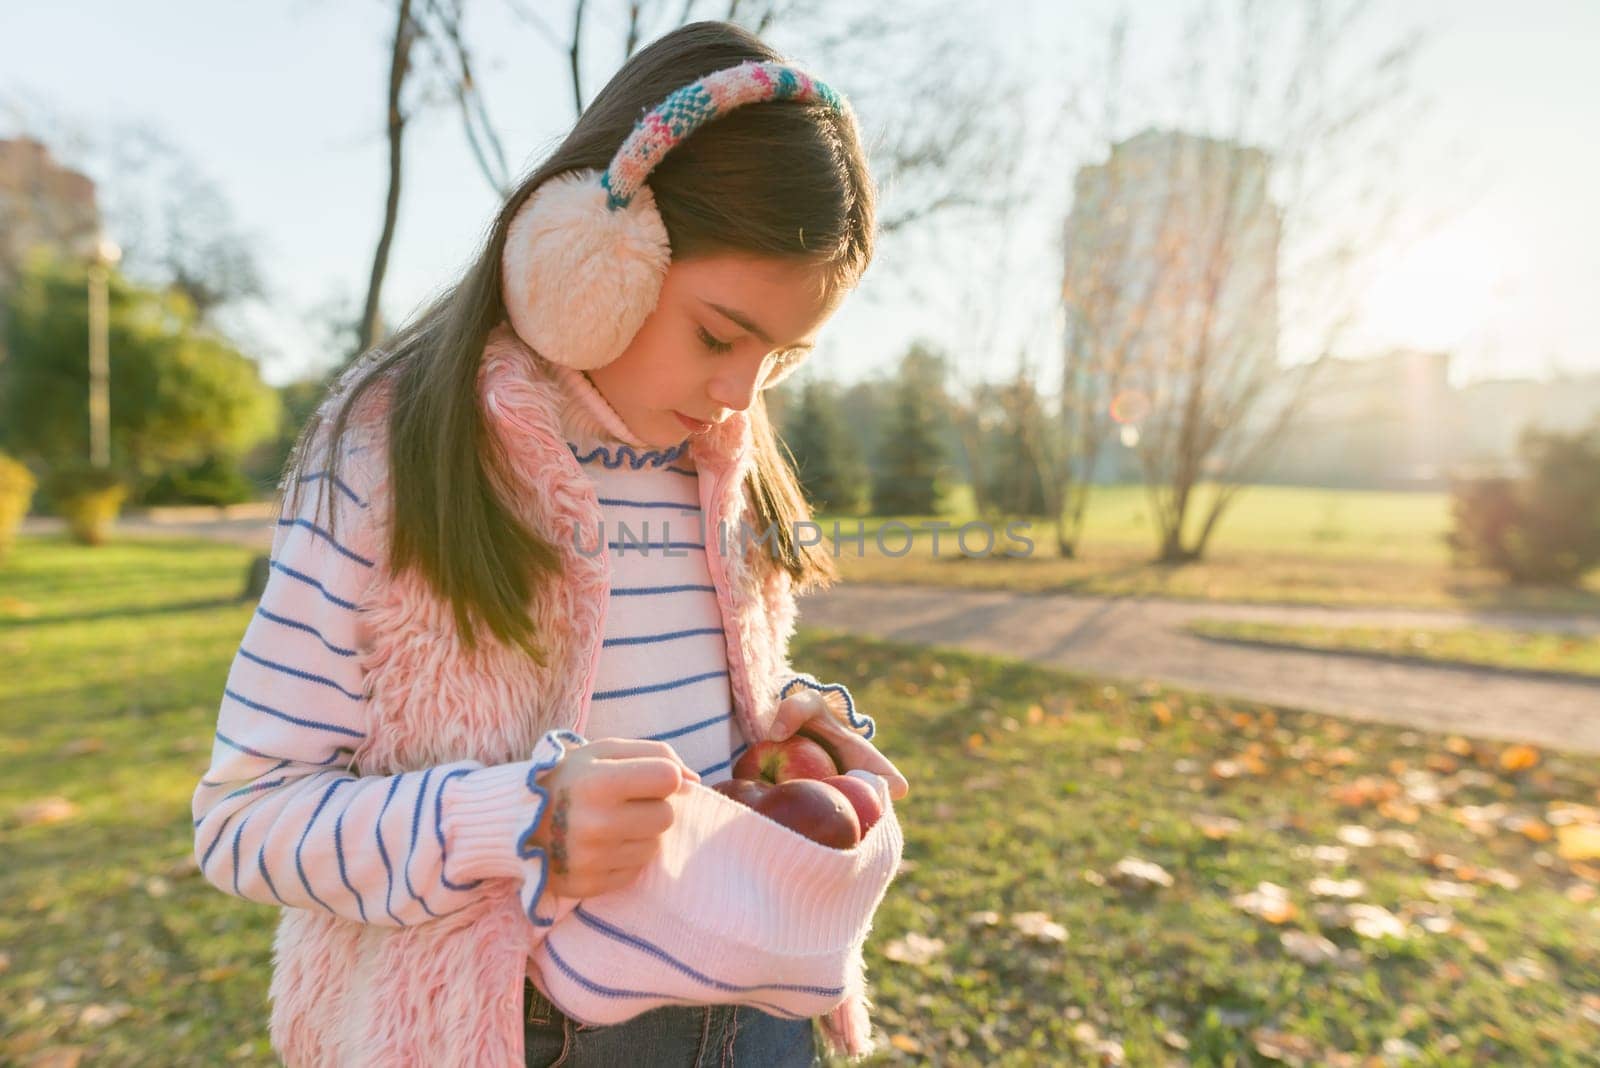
716, 1036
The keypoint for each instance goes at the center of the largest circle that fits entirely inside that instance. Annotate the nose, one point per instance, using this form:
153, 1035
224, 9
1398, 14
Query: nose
737, 386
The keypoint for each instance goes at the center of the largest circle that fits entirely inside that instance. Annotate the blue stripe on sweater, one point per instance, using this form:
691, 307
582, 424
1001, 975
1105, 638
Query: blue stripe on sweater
620, 503
338, 851
719, 766
438, 829
261, 862
301, 576
337, 753
269, 771
690, 729
339, 483
237, 834
416, 821
388, 894
647, 639
296, 720
643, 546
212, 847
635, 691
285, 621
294, 672
617, 934
646, 591
327, 537
621, 992
312, 822
258, 786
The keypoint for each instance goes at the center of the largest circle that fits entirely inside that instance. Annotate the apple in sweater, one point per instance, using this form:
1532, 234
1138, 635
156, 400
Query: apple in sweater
806, 806
793, 758
863, 796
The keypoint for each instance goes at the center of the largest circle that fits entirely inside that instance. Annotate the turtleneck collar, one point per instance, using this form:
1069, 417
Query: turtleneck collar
587, 418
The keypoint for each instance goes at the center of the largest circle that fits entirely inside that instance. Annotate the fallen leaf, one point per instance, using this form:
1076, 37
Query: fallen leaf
1353, 834
905, 1043
1268, 901
1345, 888
45, 811
1038, 926
1281, 1046
96, 1016
1518, 758
914, 949
1368, 921
1578, 842
1446, 890
1136, 874
1223, 770
1217, 828
1308, 948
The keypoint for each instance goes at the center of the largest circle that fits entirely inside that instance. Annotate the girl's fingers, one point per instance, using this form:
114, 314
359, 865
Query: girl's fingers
852, 751
642, 777
797, 710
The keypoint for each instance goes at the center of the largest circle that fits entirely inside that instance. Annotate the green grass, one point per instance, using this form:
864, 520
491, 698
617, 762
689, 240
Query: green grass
1489, 646
1276, 544
1026, 785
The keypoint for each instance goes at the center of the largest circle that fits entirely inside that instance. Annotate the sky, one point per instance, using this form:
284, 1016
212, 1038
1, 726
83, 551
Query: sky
281, 103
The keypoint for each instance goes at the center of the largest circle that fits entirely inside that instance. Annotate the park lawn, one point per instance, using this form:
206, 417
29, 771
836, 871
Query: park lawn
1568, 654
1028, 787
1277, 544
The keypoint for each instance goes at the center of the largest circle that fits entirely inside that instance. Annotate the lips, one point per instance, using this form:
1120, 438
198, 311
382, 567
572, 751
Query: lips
693, 424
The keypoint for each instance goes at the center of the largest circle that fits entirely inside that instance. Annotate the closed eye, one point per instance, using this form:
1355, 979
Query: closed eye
712, 343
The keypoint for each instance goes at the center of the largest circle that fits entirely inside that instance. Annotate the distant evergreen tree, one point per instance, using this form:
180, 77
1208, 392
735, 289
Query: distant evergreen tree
1017, 448
827, 455
911, 475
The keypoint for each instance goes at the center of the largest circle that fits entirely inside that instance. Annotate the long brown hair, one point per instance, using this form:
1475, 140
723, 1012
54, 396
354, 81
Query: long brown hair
779, 179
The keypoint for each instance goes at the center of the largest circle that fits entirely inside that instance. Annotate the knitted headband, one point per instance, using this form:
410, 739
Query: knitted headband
586, 254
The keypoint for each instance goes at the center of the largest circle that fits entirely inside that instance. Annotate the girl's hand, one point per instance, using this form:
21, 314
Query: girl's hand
805, 712
607, 812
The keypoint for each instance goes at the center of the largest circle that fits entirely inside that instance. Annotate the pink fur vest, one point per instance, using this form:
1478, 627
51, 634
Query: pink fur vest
450, 991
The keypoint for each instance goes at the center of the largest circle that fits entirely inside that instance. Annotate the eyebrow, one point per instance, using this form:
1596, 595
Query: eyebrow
745, 323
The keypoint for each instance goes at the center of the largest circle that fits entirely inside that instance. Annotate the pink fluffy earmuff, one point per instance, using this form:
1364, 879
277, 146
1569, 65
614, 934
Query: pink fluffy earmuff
586, 253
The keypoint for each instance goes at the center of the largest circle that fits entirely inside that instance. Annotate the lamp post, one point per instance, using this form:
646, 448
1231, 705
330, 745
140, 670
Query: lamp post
106, 254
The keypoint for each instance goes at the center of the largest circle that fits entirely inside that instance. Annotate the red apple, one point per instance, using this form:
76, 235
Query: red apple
862, 795
792, 758
744, 791
814, 809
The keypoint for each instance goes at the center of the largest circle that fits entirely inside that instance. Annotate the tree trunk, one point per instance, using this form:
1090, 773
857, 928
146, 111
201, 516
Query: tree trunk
399, 66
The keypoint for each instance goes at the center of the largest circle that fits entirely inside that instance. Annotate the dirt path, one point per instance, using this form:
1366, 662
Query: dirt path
1138, 640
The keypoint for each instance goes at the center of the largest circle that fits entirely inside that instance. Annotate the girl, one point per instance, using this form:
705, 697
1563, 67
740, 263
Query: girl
518, 525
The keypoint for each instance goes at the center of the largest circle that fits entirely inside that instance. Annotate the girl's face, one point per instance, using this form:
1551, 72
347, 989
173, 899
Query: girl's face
725, 325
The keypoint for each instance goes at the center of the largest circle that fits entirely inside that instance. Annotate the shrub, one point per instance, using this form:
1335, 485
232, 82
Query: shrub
16, 494
89, 498
1541, 527
214, 480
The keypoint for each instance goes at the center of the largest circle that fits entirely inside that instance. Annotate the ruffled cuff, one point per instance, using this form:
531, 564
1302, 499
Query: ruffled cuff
837, 698
490, 815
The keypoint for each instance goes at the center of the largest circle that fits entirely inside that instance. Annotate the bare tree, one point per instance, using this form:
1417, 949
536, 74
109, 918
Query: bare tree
405, 36
1181, 244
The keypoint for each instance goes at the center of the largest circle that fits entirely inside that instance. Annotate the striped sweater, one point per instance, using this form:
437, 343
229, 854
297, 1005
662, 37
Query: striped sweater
663, 671
343, 658
278, 815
